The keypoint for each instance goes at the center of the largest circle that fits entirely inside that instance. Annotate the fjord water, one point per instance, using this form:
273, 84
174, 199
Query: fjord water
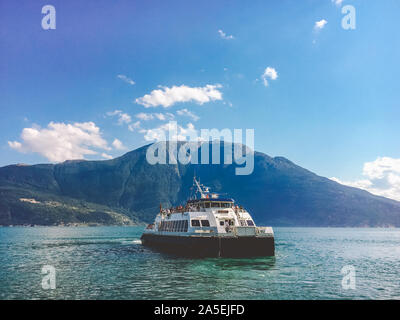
110, 263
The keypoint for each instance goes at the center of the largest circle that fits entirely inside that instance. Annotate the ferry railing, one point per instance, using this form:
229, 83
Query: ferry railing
265, 231
246, 231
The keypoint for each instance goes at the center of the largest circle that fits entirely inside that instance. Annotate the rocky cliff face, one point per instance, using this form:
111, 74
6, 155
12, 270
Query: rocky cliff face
278, 192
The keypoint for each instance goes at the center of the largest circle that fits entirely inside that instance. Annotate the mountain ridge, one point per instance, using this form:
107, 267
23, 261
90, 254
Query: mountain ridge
278, 192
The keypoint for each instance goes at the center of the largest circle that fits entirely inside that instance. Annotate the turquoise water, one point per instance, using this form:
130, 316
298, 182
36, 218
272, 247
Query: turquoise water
110, 263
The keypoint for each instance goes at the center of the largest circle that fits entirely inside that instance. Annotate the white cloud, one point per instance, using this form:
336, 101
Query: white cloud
270, 73
106, 156
223, 35
382, 178
187, 113
150, 116
160, 116
113, 113
162, 133
117, 144
362, 184
122, 117
144, 116
320, 24
164, 116
59, 141
338, 2
382, 166
126, 79
15, 145
134, 126
167, 97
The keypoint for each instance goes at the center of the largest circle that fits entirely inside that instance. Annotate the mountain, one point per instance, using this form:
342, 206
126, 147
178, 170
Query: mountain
128, 190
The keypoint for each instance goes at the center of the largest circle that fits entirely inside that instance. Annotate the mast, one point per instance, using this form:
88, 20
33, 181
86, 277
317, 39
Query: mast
199, 188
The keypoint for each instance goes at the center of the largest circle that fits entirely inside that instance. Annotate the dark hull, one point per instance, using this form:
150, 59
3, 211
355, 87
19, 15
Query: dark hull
201, 246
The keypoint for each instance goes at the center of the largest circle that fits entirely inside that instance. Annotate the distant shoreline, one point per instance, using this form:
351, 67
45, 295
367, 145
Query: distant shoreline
74, 225
144, 224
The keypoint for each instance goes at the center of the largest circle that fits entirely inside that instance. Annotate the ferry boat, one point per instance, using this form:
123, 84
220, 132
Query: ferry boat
208, 226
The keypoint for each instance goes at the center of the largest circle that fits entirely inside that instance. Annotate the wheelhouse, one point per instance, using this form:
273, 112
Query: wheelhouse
211, 203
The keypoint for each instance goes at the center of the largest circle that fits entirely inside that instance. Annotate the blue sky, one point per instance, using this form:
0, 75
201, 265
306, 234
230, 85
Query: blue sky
334, 107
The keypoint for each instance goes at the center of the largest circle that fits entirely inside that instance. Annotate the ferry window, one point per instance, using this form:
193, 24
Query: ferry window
231, 223
250, 223
185, 226
205, 223
180, 226
222, 223
215, 205
207, 205
195, 223
243, 223
174, 226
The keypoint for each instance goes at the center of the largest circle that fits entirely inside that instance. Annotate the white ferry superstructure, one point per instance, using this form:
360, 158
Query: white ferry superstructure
209, 226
